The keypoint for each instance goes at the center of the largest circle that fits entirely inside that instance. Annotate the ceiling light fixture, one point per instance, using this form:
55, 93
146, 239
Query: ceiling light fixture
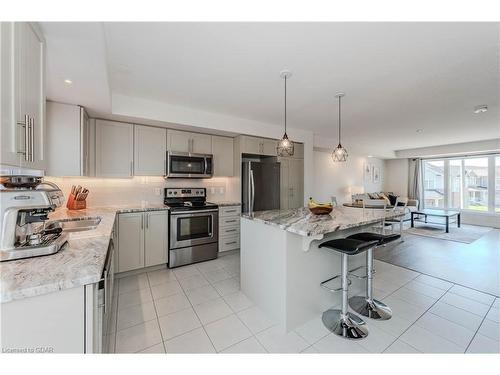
285, 146
370, 156
419, 130
340, 153
68, 81
480, 108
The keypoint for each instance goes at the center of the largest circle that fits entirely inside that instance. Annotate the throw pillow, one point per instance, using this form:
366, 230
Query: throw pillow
392, 199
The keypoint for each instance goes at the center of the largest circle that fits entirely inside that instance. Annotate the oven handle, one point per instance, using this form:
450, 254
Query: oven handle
192, 213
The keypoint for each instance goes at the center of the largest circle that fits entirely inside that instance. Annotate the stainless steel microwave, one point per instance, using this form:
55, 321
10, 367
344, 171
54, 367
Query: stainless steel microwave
188, 165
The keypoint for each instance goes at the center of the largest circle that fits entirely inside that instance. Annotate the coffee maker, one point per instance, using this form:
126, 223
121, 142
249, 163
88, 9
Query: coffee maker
25, 202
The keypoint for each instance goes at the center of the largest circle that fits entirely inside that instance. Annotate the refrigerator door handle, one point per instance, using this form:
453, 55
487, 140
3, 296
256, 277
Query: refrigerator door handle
252, 192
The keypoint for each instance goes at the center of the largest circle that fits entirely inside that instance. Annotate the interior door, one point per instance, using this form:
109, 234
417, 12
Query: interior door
156, 238
130, 241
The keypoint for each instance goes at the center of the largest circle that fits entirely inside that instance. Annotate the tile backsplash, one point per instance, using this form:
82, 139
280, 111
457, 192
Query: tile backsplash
145, 189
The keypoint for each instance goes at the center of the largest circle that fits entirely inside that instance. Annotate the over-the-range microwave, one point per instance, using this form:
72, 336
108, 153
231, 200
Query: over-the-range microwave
188, 165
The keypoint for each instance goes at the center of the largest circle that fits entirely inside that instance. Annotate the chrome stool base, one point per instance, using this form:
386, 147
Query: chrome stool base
350, 326
370, 308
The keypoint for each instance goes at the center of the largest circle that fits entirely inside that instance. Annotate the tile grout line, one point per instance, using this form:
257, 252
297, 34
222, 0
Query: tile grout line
156, 313
479, 327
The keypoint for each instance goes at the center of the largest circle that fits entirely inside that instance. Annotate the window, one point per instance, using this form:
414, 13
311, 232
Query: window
468, 183
497, 184
476, 184
434, 183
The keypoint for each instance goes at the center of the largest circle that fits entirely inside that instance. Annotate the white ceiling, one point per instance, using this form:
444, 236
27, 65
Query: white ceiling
398, 77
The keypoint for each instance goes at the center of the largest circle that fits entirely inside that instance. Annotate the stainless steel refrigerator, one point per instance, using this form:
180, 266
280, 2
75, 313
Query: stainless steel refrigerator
260, 186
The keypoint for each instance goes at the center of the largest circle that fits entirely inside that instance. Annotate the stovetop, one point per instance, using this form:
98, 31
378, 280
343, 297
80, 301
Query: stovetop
187, 199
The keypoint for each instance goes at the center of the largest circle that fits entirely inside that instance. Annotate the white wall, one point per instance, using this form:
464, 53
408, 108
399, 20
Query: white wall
396, 176
133, 191
343, 179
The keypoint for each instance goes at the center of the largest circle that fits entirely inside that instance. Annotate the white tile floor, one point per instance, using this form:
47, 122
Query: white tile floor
200, 309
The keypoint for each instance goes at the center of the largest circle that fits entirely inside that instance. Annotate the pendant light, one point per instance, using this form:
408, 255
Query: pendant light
285, 146
340, 153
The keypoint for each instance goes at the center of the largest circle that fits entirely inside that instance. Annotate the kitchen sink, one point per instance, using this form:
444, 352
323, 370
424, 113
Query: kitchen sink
75, 225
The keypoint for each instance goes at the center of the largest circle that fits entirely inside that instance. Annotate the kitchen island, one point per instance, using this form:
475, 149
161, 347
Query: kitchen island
282, 266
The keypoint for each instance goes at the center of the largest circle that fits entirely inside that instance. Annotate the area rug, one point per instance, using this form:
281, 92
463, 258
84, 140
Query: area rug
464, 234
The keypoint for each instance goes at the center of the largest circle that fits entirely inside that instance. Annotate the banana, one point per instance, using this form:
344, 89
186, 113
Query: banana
314, 204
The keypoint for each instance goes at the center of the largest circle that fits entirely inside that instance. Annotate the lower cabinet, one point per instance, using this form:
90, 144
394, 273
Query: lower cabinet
142, 239
229, 228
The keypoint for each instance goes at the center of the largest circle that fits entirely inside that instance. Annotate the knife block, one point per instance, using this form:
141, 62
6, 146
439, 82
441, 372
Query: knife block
73, 204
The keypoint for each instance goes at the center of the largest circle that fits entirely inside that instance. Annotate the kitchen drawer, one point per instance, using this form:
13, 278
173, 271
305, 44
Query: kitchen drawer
231, 230
230, 211
229, 243
229, 221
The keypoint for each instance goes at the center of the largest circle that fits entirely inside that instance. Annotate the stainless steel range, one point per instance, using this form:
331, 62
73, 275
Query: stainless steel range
194, 226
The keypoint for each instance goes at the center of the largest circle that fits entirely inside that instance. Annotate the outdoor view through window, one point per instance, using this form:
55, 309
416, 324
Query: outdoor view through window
470, 183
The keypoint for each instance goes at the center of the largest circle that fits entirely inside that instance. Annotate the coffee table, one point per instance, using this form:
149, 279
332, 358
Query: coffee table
437, 213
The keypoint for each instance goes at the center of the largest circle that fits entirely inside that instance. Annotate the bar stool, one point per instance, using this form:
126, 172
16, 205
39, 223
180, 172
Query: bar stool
341, 322
367, 305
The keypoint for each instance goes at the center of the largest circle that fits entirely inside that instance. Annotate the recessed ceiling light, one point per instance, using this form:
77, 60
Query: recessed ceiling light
370, 156
480, 108
68, 81
419, 130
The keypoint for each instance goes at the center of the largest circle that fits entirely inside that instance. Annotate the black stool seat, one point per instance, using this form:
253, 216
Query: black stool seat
381, 239
349, 246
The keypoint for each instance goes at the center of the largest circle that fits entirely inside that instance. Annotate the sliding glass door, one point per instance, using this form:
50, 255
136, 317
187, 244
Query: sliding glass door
467, 183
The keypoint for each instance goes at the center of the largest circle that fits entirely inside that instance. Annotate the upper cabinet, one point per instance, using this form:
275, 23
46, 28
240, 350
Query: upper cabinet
222, 150
150, 146
179, 141
68, 140
291, 182
114, 149
258, 146
22, 95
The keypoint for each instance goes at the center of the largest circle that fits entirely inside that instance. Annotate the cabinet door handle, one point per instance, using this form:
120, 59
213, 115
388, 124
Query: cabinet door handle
131, 168
230, 230
231, 243
26, 137
230, 221
147, 221
142, 222
32, 139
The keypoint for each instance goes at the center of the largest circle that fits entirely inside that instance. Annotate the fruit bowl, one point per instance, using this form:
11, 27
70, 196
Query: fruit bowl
319, 208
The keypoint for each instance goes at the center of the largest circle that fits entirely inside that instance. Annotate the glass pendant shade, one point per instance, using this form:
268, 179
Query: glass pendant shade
340, 153
285, 146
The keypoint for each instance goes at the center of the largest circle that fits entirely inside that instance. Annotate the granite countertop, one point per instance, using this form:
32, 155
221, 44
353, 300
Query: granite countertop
79, 262
302, 222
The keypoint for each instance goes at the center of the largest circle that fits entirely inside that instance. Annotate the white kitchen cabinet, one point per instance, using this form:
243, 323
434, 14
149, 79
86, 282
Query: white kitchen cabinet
142, 239
52, 322
291, 182
229, 227
130, 241
222, 151
68, 140
22, 95
150, 147
258, 146
180, 141
155, 238
298, 150
114, 149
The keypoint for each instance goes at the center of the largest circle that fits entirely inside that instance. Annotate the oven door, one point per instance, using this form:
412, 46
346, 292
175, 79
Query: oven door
187, 165
193, 228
